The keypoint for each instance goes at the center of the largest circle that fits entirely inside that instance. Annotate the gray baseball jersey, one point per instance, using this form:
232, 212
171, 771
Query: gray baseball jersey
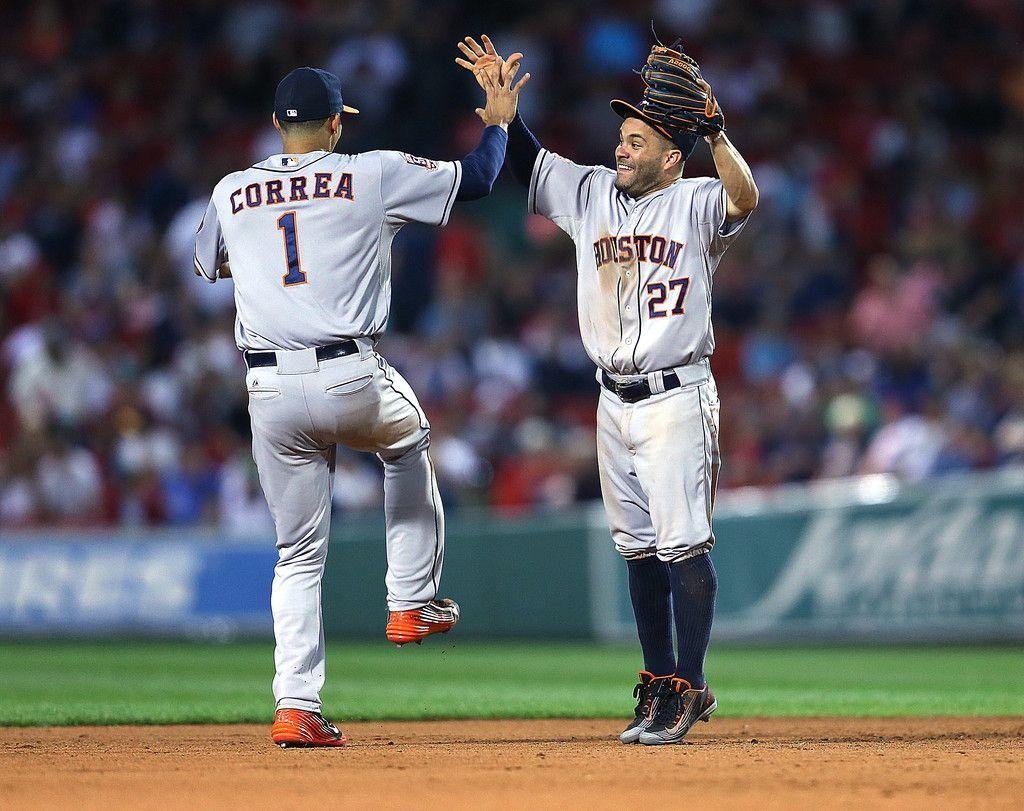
309, 256
309, 241
645, 266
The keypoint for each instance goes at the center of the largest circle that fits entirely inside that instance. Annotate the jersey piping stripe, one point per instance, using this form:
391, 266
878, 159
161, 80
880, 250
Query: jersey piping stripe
384, 224
707, 451
618, 304
618, 284
639, 314
293, 168
374, 329
195, 253
639, 285
704, 442
198, 264
532, 207
435, 571
701, 350
438, 548
385, 367
450, 201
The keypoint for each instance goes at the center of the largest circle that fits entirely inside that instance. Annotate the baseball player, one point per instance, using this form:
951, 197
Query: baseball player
306, 236
648, 241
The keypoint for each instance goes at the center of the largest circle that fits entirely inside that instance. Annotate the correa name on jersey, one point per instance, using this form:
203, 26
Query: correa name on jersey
319, 186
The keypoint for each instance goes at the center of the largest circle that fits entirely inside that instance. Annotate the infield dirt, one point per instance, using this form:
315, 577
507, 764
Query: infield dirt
729, 763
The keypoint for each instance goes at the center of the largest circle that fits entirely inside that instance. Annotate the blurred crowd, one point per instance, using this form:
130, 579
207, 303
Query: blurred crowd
870, 318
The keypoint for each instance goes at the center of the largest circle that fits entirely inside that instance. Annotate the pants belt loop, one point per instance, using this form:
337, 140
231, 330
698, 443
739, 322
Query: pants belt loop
656, 381
694, 373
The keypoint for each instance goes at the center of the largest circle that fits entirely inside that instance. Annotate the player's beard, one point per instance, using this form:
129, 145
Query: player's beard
646, 175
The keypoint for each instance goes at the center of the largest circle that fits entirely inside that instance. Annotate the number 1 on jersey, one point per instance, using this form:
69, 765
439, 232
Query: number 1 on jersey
286, 224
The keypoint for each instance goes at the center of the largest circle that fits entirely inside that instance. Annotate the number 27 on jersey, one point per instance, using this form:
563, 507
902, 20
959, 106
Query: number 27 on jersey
659, 293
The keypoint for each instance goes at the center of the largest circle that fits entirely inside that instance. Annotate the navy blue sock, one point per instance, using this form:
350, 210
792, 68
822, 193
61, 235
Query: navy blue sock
694, 584
650, 592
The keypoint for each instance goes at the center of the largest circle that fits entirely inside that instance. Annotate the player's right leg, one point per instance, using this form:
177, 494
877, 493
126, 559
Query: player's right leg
630, 522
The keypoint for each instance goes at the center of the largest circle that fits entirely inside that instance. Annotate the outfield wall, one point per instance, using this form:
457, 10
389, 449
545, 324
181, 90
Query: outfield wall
863, 559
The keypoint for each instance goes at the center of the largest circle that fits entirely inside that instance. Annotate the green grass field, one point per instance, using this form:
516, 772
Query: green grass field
43, 683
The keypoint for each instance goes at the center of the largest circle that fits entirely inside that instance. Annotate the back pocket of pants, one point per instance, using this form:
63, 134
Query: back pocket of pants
263, 394
349, 386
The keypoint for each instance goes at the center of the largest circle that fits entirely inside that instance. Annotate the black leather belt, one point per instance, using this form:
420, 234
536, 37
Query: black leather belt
255, 360
634, 391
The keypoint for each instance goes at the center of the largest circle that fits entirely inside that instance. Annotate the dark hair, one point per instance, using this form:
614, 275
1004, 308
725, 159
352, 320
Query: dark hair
686, 140
302, 128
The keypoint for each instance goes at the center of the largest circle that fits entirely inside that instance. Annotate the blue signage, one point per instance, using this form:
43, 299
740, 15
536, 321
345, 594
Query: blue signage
180, 585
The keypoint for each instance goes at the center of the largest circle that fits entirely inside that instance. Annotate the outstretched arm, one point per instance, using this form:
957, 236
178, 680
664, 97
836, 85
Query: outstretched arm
484, 62
740, 190
481, 166
523, 148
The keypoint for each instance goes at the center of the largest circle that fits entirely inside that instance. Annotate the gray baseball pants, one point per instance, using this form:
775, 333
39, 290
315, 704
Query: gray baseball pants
659, 460
300, 410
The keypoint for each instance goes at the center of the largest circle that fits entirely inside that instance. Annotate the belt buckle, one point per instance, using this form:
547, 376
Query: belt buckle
631, 392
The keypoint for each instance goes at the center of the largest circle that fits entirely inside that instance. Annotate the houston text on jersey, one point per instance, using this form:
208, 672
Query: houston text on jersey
643, 247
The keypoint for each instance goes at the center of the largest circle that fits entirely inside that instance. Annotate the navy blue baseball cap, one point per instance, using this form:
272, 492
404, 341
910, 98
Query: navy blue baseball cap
309, 94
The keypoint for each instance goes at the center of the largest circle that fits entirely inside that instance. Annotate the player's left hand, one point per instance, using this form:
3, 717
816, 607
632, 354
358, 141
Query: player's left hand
677, 95
224, 271
478, 58
481, 59
496, 77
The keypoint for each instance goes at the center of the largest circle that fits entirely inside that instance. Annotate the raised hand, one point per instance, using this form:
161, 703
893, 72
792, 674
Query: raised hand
480, 58
495, 75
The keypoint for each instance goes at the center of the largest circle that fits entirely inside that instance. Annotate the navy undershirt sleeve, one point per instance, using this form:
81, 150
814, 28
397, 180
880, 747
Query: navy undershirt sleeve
481, 166
523, 148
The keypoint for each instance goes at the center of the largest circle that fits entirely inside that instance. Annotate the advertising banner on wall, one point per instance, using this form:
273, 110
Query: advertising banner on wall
153, 583
863, 559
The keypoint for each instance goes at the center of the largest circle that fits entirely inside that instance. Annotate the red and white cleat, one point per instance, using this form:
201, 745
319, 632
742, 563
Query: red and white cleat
415, 625
302, 728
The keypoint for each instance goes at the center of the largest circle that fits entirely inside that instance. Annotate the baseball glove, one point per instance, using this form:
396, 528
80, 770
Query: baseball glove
677, 94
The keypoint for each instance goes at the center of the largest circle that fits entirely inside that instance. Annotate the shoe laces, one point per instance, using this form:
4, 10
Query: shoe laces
645, 694
670, 703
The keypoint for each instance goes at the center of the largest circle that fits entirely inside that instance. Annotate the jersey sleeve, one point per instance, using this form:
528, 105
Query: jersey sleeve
709, 200
416, 189
560, 190
210, 252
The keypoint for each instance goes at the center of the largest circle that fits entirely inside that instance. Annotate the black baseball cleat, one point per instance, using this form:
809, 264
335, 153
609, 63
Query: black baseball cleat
679, 707
646, 695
